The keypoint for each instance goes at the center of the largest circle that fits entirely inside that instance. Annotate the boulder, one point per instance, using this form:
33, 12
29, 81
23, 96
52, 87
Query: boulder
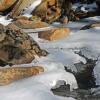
17, 47
54, 34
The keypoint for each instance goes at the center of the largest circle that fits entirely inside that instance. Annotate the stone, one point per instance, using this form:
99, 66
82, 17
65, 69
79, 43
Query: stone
53, 10
48, 11
92, 25
5, 4
54, 34
17, 47
12, 74
29, 24
12, 26
64, 20
35, 18
15, 7
20, 7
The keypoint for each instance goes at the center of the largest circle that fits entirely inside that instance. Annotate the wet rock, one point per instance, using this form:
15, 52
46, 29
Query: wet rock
17, 47
54, 34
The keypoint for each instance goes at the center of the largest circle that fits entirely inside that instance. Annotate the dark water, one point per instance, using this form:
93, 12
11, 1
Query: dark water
85, 80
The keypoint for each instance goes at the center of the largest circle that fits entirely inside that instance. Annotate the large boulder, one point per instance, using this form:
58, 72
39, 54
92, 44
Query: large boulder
17, 47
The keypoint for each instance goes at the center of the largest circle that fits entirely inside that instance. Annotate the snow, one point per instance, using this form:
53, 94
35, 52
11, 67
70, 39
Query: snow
61, 53
4, 21
28, 90
38, 87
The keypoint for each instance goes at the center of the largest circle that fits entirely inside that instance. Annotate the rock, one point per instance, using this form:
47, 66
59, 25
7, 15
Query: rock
17, 47
12, 26
64, 20
79, 94
48, 11
54, 34
15, 7
92, 25
21, 18
29, 24
5, 4
35, 18
9, 75
20, 6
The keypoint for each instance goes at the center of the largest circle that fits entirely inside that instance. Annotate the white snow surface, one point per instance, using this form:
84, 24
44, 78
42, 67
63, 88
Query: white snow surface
61, 53
4, 21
